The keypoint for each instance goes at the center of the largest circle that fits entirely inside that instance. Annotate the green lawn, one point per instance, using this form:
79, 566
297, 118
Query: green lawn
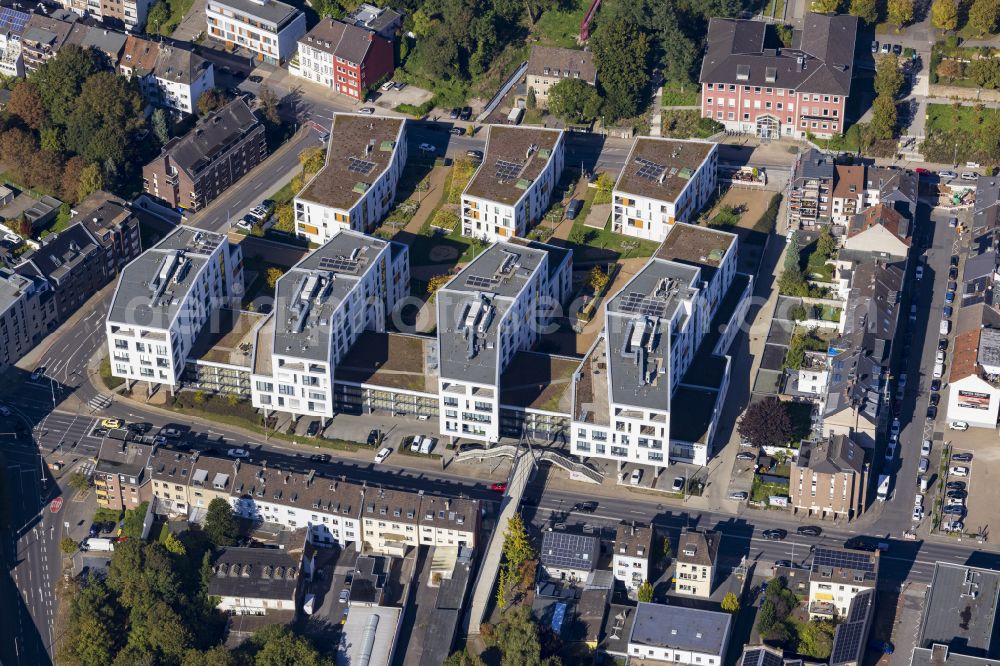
944, 117
178, 8
605, 239
561, 27
681, 93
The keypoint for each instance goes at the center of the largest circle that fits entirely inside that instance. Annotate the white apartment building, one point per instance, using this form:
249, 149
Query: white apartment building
633, 551
495, 307
653, 329
178, 79
269, 28
512, 188
679, 635
322, 306
836, 577
697, 562
664, 181
394, 520
357, 185
163, 300
11, 62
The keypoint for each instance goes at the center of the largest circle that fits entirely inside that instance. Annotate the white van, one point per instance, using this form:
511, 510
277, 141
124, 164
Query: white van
938, 370
945, 327
428, 444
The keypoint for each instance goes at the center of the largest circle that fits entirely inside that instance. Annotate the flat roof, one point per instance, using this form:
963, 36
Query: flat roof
960, 610
696, 246
360, 149
513, 155
639, 323
538, 381
153, 287
308, 295
591, 394
368, 636
394, 360
269, 10
680, 628
471, 306
661, 168
230, 340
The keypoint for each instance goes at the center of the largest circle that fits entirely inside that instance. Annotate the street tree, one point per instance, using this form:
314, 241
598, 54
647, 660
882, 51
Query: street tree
68, 546
597, 279
621, 52
210, 100
950, 68
645, 592
158, 18
866, 10
312, 159
900, 12
435, 283
766, 423
731, 603
888, 77
220, 523
984, 16
574, 101
944, 14
516, 545
272, 275
883, 123
79, 481
269, 105
826, 6
464, 658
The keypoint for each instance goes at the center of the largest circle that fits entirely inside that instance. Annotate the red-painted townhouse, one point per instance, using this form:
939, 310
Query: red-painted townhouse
346, 58
751, 83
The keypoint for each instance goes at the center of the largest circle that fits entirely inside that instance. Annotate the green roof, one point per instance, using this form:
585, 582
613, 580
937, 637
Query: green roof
361, 188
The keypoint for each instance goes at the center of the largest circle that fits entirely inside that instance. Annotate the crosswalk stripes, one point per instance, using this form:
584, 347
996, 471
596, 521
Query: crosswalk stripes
99, 401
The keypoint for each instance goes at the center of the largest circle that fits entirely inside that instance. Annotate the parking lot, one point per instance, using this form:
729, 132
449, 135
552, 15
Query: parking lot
983, 482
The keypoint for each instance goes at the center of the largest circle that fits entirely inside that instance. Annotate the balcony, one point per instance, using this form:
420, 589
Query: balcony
826, 609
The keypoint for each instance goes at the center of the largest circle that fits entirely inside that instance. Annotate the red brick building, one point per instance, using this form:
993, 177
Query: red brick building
346, 58
751, 83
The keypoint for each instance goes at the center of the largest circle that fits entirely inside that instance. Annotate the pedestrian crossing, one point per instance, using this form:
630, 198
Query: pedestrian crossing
99, 401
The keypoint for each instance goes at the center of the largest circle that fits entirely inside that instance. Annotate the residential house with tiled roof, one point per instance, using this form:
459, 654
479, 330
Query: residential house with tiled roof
549, 65
632, 554
752, 83
829, 479
837, 576
880, 230
344, 57
974, 375
697, 562
847, 197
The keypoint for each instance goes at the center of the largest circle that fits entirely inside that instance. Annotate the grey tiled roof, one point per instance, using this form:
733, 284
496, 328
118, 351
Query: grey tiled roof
680, 628
823, 63
213, 135
256, 573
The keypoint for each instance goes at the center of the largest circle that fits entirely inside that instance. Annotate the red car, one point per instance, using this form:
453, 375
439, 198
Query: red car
499, 487
922, 170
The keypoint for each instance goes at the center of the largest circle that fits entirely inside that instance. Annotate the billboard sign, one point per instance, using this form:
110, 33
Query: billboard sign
973, 400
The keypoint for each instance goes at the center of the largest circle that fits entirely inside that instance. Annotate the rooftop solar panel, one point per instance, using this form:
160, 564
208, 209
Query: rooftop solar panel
843, 559
13, 20
360, 166
507, 170
338, 264
847, 643
479, 282
568, 551
640, 303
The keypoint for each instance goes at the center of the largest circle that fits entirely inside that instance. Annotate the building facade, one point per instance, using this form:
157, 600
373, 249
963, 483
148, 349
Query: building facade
322, 307
679, 635
163, 300
194, 169
829, 479
347, 59
750, 83
495, 307
664, 181
268, 28
697, 562
357, 185
27, 314
12, 26
513, 186
633, 551
121, 480
837, 576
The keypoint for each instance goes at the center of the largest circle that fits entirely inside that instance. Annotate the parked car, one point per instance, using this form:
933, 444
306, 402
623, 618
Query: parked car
968, 175
457, 131
399, 85
745, 456
111, 424
455, 113
918, 513
585, 507
474, 154
931, 412
427, 148
890, 452
170, 432
897, 49
387, 86
955, 485
956, 494
923, 465
938, 370
415, 443
367, 110
37, 374
498, 487
774, 534
466, 113
935, 384
880, 646
238, 453
958, 425
471, 447
919, 272
244, 225
947, 174
636, 477
874, 47
573, 209
962, 457
925, 447
312, 430
953, 510
678, 484
957, 470
382, 455
428, 445
5, 410
739, 496
954, 526
373, 436
935, 399
895, 427
952, 222
947, 312
786, 564
885, 47
953, 273
809, 530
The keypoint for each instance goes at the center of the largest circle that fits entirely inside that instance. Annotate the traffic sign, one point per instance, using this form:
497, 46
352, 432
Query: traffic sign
56, 505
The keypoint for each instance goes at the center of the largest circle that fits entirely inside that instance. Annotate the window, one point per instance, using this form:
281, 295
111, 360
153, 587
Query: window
708, 101
709, 86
